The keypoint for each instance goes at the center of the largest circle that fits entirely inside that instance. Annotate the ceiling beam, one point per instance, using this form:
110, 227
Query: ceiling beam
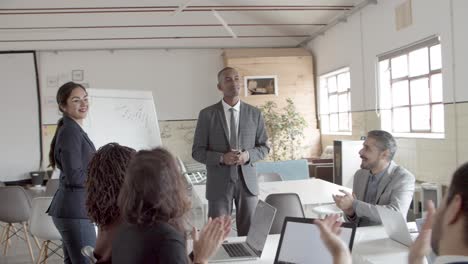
225, 25
181, 8
162, 26
341, 18
170, 9
142, 38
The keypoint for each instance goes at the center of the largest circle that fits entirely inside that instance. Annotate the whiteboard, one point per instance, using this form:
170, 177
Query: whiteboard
19, 117
126, 117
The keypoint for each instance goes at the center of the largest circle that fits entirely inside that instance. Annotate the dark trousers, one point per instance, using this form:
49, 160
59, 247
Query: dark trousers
76, 233
245, 205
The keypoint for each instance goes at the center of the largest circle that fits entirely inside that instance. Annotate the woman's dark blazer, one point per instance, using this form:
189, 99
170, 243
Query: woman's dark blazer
73, 151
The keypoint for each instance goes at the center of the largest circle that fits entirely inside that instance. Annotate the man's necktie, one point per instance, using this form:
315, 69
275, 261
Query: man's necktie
233, 131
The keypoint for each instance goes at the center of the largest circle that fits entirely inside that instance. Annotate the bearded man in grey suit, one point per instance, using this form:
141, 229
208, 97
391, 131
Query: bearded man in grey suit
231, 136
379, 182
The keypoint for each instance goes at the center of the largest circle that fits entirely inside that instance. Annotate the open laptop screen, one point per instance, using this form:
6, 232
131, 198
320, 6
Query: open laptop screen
300, 242
260, 226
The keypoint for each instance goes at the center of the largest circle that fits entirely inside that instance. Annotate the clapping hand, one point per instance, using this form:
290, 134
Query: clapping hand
345, 202
207, 242
330, 230
422, 245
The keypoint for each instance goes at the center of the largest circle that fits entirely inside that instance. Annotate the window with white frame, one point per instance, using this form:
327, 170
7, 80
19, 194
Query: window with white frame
411, 90
335, 102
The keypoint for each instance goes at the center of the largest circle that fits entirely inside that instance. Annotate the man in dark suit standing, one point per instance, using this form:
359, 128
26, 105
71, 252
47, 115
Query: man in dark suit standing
231, 136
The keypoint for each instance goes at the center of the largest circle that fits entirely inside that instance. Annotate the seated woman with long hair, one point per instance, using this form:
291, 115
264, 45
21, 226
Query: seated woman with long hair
154, 203
106, 173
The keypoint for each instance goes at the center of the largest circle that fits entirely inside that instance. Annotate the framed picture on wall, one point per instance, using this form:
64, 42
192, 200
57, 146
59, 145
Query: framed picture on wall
77, 75
261, 85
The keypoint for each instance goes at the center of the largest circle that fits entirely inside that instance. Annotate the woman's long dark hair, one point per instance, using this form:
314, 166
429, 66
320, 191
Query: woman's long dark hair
106, 174
154, 191
63, 94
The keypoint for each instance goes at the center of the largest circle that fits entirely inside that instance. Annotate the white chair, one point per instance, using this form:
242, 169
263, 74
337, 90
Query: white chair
42, 226
15, 208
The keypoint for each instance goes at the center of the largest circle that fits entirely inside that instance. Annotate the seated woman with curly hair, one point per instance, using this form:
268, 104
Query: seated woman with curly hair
154, 203
106, 173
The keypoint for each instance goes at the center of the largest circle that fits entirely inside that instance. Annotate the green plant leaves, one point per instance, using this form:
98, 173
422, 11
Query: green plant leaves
285, 128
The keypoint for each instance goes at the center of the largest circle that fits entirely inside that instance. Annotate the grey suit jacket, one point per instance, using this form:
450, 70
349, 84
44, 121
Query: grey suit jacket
73, 151
395, 191
211, 142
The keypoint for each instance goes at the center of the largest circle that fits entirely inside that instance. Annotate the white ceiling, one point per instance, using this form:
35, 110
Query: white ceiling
90, 24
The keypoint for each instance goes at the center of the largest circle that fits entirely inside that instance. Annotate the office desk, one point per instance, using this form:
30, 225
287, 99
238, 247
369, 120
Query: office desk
371, 245
311, 191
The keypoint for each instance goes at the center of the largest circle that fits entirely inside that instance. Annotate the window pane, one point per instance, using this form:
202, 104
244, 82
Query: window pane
323, 101
436, 87
399, 66
401, 119
419, 91
333, 106
349, 101
383, 65
332, 84
334, 122
384, 79
343, 103
420, 117
325, 123
400, 94
386, 120
343, 82
343, 121
419, 62
323, 84
438, 118
350, 122
436, 57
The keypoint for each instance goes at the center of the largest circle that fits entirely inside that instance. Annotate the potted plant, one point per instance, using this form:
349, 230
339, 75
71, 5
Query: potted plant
285, 128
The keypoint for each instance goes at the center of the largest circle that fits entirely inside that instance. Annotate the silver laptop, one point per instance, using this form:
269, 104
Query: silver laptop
256, 238
395, 226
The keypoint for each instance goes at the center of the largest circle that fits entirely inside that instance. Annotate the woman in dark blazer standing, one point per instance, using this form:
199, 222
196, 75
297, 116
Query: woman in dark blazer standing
70, 151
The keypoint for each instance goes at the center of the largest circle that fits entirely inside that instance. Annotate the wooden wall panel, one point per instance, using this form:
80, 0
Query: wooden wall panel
294, 70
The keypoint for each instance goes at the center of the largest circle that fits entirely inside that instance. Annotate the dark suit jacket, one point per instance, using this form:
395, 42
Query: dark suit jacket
211, 142
73, 151
160, 243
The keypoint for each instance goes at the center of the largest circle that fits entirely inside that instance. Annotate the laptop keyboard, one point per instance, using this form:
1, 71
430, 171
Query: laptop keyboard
236, 250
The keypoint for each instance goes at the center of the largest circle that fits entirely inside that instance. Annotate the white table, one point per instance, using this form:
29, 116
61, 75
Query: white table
311, 191
371, 245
